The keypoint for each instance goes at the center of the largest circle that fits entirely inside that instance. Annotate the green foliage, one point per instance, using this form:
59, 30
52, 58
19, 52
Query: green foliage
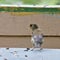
31, 1
21, 9
39, 2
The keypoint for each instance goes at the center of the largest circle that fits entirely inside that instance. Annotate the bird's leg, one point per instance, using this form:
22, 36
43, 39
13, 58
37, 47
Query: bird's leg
27, 49
41, 47
33, 47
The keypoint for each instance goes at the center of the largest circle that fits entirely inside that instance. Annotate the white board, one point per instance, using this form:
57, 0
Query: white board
20, 54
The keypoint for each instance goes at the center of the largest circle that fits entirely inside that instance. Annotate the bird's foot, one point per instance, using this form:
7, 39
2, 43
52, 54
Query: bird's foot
32, 50
27, 49
41, 48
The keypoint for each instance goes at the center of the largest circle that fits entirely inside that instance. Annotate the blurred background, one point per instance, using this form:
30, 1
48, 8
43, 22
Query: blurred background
31, 2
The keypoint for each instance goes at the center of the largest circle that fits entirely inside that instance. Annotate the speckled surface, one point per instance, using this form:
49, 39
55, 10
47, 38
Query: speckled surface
20, 54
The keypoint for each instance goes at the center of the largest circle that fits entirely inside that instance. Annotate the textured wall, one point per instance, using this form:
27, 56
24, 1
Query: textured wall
19, 25
50, 42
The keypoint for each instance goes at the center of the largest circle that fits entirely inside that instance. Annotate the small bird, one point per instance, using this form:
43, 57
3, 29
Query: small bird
37, 37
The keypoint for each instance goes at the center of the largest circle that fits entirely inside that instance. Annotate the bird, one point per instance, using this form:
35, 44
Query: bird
33, 27
37, 37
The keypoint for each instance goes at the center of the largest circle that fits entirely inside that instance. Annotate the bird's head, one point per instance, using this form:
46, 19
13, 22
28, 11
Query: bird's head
33, 26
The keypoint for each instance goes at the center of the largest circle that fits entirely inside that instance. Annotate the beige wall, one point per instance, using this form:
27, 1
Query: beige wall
21, 42
19, 25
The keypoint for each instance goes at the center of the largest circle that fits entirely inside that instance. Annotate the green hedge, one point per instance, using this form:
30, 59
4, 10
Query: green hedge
22, 9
